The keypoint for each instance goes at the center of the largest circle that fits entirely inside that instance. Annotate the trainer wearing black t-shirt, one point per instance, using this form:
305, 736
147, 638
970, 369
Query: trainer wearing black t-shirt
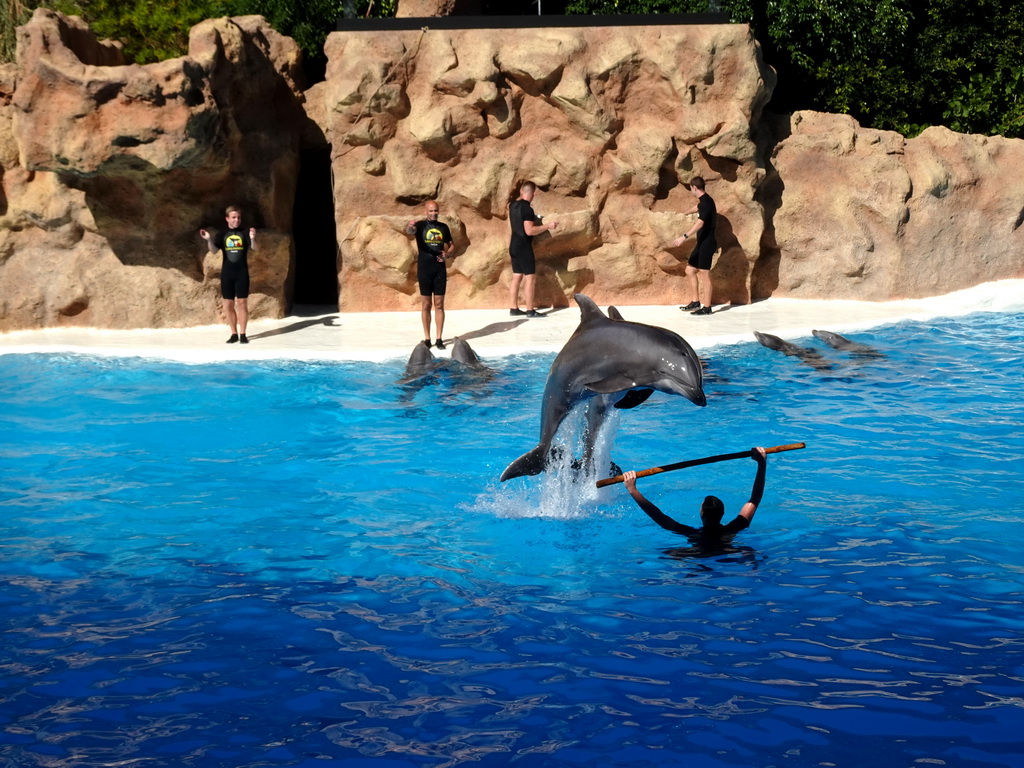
235, 244
525, 226
699, 263
434, 245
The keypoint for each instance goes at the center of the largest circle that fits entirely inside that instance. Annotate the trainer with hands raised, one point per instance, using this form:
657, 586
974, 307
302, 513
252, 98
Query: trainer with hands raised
711, 511
235, 244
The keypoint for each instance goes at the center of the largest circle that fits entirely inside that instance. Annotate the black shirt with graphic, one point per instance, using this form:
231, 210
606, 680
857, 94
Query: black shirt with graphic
235, 245
431, 238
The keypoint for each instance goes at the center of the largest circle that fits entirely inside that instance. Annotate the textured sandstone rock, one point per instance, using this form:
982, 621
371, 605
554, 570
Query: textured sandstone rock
610, 122
870, 215
107, 169
118, 165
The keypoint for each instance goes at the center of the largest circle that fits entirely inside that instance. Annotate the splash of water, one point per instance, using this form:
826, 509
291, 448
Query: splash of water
567, 489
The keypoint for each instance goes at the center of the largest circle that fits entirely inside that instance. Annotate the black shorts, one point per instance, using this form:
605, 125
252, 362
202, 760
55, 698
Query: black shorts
432, 275
234, 282
523, 262
702, 254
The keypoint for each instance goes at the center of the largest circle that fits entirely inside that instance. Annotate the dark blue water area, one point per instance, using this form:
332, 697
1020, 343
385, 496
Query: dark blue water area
295, 564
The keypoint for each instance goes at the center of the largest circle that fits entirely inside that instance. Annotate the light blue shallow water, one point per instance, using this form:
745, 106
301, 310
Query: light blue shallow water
306, 565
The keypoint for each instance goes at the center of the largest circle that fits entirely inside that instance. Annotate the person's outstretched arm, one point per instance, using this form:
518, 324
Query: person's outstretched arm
666, 522
210, 246
757, 491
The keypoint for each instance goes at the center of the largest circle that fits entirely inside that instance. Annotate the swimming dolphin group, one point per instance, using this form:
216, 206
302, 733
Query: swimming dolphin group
616, 361
813, 357
464, 364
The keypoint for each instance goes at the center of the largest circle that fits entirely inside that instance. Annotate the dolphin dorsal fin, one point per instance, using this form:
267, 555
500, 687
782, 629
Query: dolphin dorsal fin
614, 314
589, 311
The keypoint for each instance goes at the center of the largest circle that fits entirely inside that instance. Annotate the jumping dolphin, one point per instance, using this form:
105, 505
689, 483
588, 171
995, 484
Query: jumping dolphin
807, 355
607, 357
836, 341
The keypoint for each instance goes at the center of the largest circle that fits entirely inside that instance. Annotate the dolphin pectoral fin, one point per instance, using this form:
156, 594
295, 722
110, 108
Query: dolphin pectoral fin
614, 314
616, 383
634, 397
531, 463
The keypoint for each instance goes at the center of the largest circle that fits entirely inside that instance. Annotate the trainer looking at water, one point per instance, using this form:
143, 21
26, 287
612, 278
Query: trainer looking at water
699, 263
711, 511
434, 245
235, 244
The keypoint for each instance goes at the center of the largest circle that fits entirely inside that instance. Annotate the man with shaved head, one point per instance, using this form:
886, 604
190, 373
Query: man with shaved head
434, 245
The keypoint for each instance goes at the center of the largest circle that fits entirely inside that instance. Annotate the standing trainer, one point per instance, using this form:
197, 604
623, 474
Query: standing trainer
235, 244
699, 264
434, 245
525, 226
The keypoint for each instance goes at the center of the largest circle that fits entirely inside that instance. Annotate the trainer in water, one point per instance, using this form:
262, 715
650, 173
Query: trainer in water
711, 511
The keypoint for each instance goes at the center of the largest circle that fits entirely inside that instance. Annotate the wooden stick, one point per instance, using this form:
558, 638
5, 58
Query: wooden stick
696, 462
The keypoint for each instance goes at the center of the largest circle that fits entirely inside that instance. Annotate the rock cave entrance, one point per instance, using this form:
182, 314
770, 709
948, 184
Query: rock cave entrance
316, 239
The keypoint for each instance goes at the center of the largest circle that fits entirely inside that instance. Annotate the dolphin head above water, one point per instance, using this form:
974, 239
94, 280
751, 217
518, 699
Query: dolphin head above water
621, 361
463, 353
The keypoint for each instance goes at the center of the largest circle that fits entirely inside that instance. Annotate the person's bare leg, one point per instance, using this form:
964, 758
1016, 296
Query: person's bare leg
229, 316
242, 313
513, 290
439, 316
425, 316
691, 285
529, 288
705, 287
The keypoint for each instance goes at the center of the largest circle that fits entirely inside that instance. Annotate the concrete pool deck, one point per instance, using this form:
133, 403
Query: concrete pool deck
377, 336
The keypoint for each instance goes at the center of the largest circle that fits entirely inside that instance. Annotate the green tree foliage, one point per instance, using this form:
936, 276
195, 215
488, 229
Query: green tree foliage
893, 64
153, 30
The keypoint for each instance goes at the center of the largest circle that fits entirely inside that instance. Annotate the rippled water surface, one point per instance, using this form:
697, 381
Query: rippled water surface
308, 565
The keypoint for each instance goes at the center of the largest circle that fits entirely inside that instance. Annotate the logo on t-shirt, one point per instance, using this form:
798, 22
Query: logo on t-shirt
433, 237
234, 243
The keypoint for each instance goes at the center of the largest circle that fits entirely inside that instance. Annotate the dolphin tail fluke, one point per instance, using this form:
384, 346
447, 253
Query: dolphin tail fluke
531, 463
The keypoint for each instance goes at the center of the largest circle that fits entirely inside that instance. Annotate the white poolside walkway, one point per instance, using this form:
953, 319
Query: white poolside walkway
376, 336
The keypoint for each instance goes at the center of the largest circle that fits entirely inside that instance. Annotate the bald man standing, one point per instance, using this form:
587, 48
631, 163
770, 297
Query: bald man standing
434, 245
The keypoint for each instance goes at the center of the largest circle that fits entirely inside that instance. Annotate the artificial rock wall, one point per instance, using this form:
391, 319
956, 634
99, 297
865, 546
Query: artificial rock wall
108, 169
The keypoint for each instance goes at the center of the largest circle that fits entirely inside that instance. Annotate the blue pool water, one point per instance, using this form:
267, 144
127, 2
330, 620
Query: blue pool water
307, 565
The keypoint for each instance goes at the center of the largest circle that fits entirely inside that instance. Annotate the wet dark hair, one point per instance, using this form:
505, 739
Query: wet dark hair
712, 509
698, 182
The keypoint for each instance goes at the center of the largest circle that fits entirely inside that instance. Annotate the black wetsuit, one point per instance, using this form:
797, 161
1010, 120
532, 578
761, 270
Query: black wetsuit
706, 246
431, 271
713, 533
234, 270
521, 246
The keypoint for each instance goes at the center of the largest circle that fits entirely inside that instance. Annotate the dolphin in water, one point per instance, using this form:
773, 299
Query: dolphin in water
807, 355
421, 364
463, 353
471, 373
618, 361
836, 341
